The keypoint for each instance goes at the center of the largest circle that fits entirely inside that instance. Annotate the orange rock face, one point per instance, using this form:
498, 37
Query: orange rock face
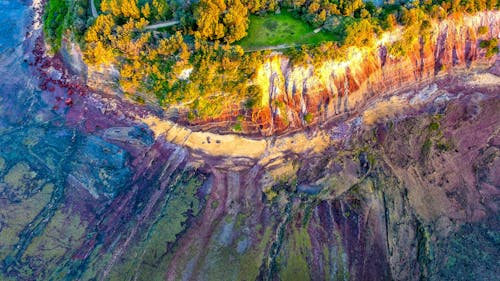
295, 97
336, 89
342, 87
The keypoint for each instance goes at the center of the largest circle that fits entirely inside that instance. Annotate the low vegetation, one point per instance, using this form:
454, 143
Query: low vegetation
491, 46
282, 29
56, 21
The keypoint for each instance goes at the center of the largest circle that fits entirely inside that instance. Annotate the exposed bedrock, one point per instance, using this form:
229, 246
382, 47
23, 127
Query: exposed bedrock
100, 189
404, 199
344, 86
295, 96
395, 202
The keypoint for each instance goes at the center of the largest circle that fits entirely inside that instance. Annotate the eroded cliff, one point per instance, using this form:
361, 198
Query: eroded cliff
345, 86
93, 187
295, 96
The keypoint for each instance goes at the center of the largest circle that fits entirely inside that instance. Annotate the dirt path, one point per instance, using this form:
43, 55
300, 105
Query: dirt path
152, 26
94, 10
272, 48
162, 24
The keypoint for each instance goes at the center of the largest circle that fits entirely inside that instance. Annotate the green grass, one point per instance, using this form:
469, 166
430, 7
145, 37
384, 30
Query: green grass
278, 29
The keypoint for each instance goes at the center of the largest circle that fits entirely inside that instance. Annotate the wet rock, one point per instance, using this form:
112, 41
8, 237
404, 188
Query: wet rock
242, 245
136, 135
100, 168
309, 189
364, 163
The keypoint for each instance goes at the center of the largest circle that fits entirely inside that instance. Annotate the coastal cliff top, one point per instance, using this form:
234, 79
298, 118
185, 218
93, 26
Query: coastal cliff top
205, 62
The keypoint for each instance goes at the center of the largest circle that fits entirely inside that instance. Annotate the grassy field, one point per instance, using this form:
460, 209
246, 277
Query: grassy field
279, 29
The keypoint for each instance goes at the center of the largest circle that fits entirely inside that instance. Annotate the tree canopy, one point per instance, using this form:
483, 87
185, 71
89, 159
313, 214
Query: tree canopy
221, 19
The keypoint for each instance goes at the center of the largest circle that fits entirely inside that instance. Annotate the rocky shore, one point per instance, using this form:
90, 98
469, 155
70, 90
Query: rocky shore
94, 187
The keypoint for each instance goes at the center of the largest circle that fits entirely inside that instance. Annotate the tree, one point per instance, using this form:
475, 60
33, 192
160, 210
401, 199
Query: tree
235, 21
390, 22
313, 8
161, 9
101, 29
130, 9
348, 7
256, 5
98, 54
359, 33
111, 6
207, 19
146, 10
298, 3
219, 19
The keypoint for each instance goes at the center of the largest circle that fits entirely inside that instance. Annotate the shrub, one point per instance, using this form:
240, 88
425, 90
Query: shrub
434, 126
491, 52
254, 96
237, 127
397, 49
56, 21
482, 30
491, 46
308, 118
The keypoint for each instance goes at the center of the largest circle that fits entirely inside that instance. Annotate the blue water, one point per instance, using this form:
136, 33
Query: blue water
17, 90
13, 15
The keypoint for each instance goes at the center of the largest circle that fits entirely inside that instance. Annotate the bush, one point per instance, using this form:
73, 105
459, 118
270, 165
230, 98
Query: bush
491, 52
237, 127
491, 47
482, 30
434, 126
308, 118
56, 21
254, 96
397, 49
486, 44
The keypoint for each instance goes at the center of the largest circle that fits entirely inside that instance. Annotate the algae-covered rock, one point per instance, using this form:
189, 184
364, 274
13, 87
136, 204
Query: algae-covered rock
100, 168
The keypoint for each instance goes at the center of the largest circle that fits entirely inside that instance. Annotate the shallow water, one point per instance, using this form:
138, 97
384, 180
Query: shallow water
39, 156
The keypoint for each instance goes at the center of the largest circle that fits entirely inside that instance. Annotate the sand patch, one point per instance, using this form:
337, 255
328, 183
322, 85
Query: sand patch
237, 146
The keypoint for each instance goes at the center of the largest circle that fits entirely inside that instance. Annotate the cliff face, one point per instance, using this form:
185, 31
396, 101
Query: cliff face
294, 97
399, 201
345, 87
93, 194
96, 188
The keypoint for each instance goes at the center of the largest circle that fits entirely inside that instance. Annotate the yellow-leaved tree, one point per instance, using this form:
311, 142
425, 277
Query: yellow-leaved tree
221, 19
130, 9
111, 6
98, 38
235, 21
125, 8
207, 17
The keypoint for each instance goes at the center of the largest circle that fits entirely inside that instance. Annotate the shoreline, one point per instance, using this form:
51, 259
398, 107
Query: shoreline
71, 97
